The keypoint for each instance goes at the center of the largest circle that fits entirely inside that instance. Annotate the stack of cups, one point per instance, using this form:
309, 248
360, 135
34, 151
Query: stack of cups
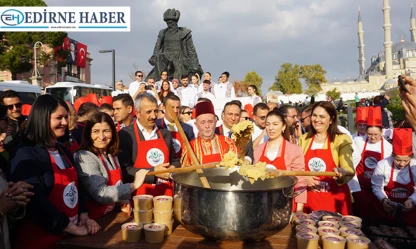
177, 207
143, 209
163, 212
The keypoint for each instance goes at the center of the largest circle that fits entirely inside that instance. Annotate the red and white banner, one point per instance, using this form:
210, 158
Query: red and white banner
81, 55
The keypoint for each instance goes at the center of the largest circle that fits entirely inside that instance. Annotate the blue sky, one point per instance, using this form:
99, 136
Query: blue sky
244, 35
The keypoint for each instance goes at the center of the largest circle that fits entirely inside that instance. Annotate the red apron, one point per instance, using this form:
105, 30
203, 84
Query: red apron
64, 196
332, 197
151, 153
209, 158
74, 146
95, 209
176, 140
364, 200
398, 192
278, 162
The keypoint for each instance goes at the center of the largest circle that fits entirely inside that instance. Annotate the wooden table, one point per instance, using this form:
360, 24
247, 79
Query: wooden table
110, 237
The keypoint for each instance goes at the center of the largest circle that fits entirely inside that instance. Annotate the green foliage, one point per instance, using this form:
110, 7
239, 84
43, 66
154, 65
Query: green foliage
314, 75
252, 78
13, 3
288, 79
334, 94
16, 49
312, 91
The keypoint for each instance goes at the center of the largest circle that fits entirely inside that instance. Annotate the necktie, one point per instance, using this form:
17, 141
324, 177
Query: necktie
230, 133
171, 127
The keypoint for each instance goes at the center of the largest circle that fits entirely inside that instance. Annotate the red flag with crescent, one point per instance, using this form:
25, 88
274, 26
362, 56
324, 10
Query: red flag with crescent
81, 55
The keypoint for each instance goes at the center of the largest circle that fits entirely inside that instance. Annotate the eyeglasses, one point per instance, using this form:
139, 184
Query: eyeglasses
293, 116
189, 113
17, 105
303, 119
139, 75
161, 111
373, 135
262, 117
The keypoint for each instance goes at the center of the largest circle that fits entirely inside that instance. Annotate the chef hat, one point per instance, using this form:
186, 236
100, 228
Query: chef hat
361, 115
402, 141
204, 108
374, 116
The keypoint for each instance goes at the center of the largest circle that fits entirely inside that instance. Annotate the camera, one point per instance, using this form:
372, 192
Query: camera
149, 87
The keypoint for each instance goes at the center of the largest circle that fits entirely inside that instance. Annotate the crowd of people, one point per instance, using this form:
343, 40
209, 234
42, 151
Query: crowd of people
62, 168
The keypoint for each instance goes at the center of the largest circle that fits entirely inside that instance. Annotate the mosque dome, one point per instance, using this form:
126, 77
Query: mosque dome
388, 84
407, 45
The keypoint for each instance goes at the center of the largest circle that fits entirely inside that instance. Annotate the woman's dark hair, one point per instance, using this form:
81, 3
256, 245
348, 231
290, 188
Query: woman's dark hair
88, 144
162, 91
37, 129
277, 113
254, 88
333, 127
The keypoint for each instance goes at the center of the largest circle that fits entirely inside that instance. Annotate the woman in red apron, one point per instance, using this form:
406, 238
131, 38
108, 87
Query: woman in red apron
281, 154
374, 149
57, 206
327, 149
394, 183
98, 168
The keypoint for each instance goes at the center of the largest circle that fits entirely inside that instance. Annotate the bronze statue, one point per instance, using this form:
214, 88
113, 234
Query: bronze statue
174, 50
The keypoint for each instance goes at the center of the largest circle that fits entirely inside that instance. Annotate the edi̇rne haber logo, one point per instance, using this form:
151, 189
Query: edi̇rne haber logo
71, 19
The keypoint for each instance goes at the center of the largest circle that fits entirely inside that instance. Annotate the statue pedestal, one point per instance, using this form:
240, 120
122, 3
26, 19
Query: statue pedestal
36, 80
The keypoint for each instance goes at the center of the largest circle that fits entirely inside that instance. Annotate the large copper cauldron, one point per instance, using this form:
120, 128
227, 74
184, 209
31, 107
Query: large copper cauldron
233, 209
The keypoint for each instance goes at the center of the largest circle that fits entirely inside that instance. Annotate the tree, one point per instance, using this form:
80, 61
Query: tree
288, 79
16, 48
252, 78
334, 94
314, 75
312, 91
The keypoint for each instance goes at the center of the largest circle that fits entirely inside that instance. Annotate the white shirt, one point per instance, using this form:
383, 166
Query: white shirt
220, 90
207, 95
147, 136
58, 159
382, 173
187, 96
133, 87
360, 143
117, 92
255, 100
168, 123
192, 124
257, 132
355, 135
226, 131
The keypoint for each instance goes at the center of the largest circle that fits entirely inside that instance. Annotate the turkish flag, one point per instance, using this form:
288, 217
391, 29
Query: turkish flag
66, 43
81, 55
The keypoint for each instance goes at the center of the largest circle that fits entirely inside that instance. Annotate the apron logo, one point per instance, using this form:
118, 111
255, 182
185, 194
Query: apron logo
368, 174
371, 162
316, 164
155, 157
70, 195
176, 145
399, 193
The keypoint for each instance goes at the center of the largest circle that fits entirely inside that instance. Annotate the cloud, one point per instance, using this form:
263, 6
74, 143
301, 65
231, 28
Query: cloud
243, 35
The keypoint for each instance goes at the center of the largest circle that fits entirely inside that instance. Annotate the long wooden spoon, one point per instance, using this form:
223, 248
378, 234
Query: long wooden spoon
185, 169
303, 173
191, 153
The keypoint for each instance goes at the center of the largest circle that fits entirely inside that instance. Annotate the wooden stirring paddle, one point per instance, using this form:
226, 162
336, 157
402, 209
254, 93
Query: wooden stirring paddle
191, 153
276, 173
185, 169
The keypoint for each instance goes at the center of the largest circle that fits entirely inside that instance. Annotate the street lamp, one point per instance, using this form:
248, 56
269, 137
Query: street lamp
35, 74
114, 64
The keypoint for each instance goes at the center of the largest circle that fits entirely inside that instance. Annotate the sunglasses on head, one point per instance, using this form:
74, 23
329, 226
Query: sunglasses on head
10, 107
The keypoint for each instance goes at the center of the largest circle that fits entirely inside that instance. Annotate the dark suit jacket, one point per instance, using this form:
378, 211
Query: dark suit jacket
249, 148
189, 132
128, 152
32, 164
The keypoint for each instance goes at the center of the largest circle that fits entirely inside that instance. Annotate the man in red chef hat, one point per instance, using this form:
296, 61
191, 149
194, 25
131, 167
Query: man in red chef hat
361, 122
208, 146
393, 180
